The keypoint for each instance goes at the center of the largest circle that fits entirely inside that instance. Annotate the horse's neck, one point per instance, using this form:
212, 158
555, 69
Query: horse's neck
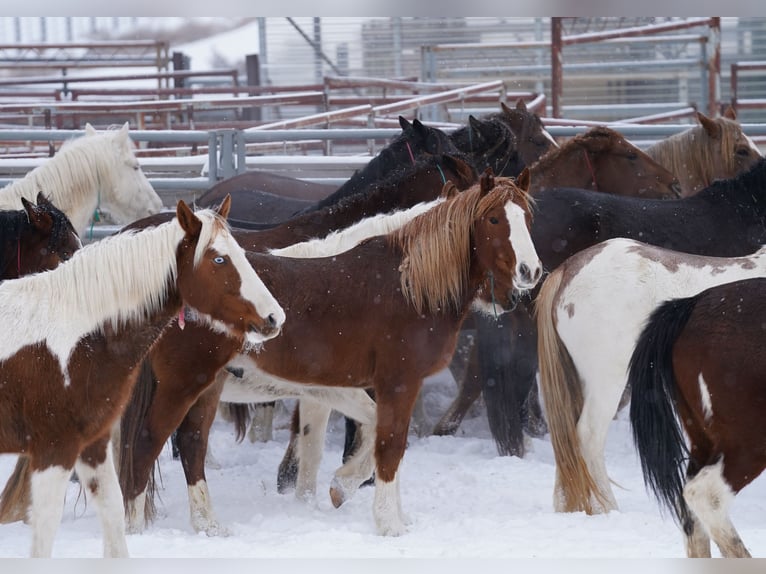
693, 175
564, 169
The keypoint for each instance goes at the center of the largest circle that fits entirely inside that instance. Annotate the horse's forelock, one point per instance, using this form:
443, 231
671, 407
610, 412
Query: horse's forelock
213, 225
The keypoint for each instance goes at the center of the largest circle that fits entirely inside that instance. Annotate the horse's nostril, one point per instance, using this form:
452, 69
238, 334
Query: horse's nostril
272, 320
524, 271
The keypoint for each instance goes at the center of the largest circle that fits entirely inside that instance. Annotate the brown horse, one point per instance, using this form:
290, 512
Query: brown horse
698, 365
417, 284
33, 239
714, 149
85, 326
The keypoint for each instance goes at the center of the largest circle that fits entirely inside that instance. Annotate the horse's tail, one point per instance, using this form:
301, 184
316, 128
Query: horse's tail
287, 474
131, 424
17, 494
502, 391
656, 431
561, 389
239, 414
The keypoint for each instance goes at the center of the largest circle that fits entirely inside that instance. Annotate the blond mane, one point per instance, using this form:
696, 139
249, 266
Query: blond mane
437, 246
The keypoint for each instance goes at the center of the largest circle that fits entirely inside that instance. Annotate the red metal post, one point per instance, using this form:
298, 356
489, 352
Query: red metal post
714, 68
557, 76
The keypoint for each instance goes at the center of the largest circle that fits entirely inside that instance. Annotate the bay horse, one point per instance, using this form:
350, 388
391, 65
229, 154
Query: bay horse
502, 364
95, 175
267, 200
584, 344
698, 366
418, 282
75, 336
33, 239
713, 149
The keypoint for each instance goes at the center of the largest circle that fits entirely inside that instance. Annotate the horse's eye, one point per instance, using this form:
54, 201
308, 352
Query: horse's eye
219, 260
493, 220
631, 156
743, 152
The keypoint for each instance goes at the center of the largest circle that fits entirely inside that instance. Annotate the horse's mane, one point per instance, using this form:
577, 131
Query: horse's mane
69, 176
752, 181
690, 151
393, 177
122, 278
596, 139
437, 246
347, 238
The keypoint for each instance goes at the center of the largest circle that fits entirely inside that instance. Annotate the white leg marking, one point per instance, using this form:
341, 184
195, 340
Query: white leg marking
387, 508
203, 518
102, 484
707, 405
134, 514
310, 446
48, 488
709, 497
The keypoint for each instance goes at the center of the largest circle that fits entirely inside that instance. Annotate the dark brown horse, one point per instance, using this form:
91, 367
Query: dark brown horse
699, 366
33, 239
74, 336
416, 284
267, 199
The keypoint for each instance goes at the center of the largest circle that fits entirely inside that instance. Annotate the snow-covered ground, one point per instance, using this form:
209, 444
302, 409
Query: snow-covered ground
464, 501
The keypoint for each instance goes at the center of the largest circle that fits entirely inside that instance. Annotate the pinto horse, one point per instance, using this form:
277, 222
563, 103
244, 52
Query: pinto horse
93, 175
699, 360
585, 345
268, 200
714, 149
33, 239
418, 283
75, 336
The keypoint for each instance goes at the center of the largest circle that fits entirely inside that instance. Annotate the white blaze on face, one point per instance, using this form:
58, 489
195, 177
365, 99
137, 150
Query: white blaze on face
251, 287
522, 244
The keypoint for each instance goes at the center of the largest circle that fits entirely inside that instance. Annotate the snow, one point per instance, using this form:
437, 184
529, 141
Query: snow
463, 499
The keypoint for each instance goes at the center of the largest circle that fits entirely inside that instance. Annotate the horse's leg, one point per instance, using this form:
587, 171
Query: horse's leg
313, 418
395, 398
48, 486
287, 473
465, 369
95, 468
262, 427
709, 497
193, 434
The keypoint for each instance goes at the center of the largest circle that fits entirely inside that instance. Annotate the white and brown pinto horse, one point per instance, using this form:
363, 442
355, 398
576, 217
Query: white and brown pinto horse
74, 338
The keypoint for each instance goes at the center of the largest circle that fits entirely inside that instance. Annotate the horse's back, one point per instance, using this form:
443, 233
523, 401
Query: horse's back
280, 185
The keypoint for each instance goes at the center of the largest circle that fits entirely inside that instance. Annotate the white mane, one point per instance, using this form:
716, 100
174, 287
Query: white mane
119, 279
345, 239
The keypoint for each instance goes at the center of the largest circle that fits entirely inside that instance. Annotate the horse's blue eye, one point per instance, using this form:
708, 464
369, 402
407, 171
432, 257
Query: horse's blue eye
220, 260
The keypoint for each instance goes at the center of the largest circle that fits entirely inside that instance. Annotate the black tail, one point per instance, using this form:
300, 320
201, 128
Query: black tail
657, 433
507, 373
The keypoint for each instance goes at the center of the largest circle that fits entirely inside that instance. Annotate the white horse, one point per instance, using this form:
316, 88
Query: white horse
590, 312
94, 174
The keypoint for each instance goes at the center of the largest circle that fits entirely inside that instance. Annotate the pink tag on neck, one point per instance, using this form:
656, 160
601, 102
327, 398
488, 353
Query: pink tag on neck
181, 319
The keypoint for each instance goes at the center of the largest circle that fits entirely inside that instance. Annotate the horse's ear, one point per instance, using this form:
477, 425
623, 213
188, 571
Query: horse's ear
125, 128
521, 105
523, 180
449, 190
90, 130
504, 108
730, 113
405, 125
225, 207
39, 218
712, 129
463, 169
189, 222
42, 199
475, 126
487, 181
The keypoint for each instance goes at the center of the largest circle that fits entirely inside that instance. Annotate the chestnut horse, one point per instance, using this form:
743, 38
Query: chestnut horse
418, 283
93, 176
699, 360
585, 343
75, 336
33, 239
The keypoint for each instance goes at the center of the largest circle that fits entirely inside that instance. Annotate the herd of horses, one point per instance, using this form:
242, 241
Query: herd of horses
587, 273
